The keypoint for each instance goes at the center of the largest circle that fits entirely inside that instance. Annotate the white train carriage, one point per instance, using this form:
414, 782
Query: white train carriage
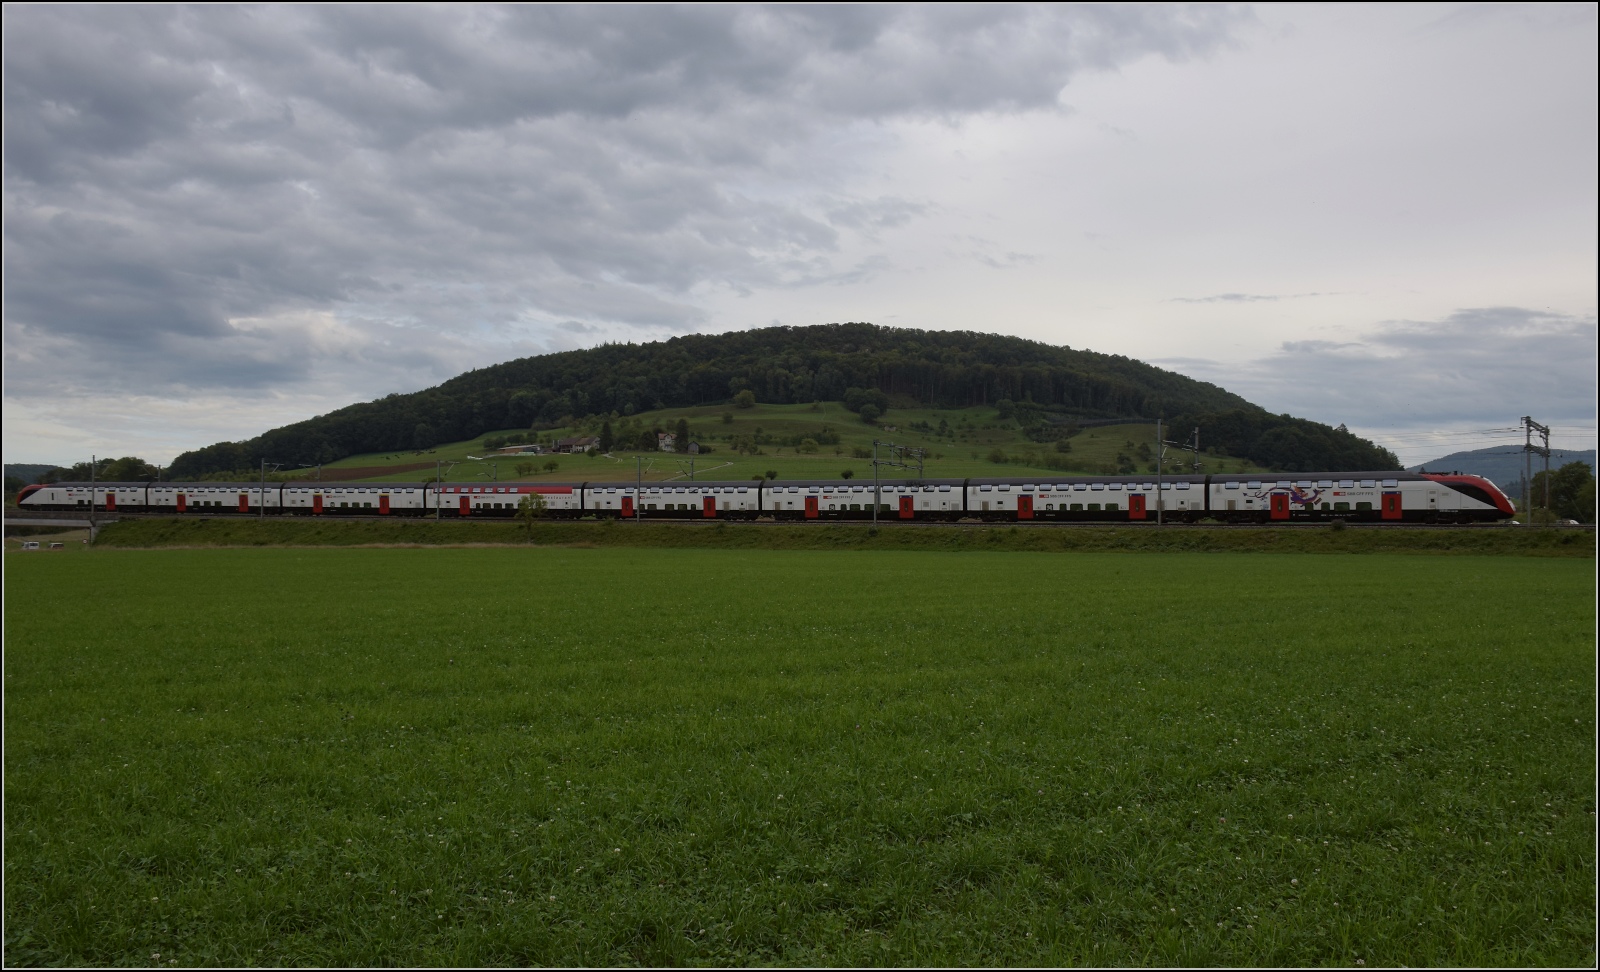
1103, 499
213, 498
352, 499
1372, 496
561, 500
693, 500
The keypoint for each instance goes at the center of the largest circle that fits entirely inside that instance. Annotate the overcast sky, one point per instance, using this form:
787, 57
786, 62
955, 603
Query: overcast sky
219, 220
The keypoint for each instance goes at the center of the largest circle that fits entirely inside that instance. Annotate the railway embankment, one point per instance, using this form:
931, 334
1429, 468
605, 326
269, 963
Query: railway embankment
148, 533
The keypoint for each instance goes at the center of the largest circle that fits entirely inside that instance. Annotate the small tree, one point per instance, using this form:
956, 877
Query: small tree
870, 413
681, 436
848, 474
772, 474
531, 509
745, 399
727, 418
606, 437
525, 469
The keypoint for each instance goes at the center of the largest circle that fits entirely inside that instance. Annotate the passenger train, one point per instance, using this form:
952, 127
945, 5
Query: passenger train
1378, 497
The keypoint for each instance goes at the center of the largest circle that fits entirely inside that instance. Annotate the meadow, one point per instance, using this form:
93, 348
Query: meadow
536, 755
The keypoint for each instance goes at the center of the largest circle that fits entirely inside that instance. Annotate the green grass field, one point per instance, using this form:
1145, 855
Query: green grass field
973, 434
600, 756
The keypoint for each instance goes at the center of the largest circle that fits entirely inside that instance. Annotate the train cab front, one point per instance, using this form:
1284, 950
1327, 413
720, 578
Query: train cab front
24, 493
1495, 504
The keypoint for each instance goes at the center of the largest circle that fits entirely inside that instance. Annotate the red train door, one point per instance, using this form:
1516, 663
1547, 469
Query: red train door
627, 507
466, 506
316, 503
1391, 506
908, 507
708, 506
811, 507
1024, 507
1136, 506
383, 503
244, 502
111, 501
1280, 506
183, 502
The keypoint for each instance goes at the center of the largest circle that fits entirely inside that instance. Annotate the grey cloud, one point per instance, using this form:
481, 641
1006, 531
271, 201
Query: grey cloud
187, 188
1477, 367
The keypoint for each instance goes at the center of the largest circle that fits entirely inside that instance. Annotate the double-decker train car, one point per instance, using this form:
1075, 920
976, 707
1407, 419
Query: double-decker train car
1378, 497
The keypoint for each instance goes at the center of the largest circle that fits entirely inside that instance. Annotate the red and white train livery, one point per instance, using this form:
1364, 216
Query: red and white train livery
1378, 497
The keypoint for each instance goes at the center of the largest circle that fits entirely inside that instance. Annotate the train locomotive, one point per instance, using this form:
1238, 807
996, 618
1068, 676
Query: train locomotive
1376, 497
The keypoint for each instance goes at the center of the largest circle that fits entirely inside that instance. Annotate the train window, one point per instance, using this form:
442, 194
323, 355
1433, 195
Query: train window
944, 489
1391, 484
1304, 484
1080, 485
1094, 506
1027, 486
1368, 483
1005, 487
985, 489
1113, 507
1183, 485
1049, 506
1363, 506
1115, 486
1098, 486
1341, 506
1284, 484
1347, 484
1324, 483
1077, 506
1231, 486
1254, 484
744, 489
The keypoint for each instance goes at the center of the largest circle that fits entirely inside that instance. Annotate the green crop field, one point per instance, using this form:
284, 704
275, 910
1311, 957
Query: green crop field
967, 448
604, 756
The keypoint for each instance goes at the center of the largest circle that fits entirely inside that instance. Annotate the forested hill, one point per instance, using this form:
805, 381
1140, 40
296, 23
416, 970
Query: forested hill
798, 364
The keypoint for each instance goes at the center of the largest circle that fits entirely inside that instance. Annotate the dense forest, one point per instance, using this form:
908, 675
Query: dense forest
781, 365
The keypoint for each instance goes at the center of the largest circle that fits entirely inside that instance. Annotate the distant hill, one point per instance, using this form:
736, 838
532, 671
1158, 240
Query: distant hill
1502, 465
27, 471
799, 365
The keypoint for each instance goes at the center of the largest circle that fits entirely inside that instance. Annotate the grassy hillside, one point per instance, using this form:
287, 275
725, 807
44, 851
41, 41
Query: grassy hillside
966, 447
796, 366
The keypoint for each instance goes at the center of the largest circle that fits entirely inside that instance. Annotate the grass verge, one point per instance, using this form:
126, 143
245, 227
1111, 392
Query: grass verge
153, 533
